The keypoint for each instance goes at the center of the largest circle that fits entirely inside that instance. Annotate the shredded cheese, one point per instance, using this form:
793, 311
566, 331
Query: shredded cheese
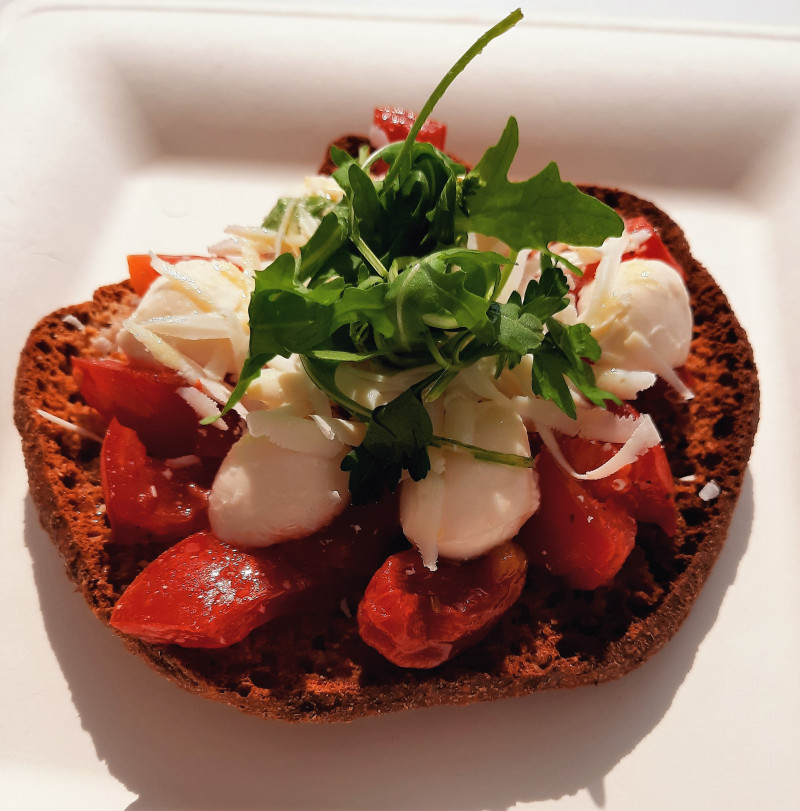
710, 491
644, 437
286, 430
68, 425
73, 322
203, 405
178, 462
348, 432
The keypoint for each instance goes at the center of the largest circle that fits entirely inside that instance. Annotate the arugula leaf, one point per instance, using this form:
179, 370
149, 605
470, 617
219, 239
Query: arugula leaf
401, 165
432, 293
368, 305
331, 235
369, 216
387, 278
287, 317
535, 212
420, 206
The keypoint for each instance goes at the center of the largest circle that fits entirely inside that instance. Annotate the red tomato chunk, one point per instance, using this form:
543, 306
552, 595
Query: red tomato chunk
203, 593
573, 534
418, 618
146, 499
147, 400
396, 123
585, 530
645, 488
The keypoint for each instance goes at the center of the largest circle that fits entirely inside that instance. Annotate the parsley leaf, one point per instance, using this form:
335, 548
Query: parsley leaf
513, 328
565, 352
397, 439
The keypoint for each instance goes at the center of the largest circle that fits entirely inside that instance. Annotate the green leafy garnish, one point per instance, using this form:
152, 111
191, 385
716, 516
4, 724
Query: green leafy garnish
494, 206
296, 209
397, 439
387, 279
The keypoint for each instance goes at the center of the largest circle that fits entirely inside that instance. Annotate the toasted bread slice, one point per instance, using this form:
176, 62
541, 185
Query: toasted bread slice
316, 668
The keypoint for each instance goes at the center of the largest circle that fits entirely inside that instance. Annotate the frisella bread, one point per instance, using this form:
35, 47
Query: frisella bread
315, 666
313, 651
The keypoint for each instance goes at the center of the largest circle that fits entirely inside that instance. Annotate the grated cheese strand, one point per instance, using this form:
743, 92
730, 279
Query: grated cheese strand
203, 405
644, 437
68, 425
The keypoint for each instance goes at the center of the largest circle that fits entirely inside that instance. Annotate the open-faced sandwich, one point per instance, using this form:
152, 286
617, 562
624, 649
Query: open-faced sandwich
425, 436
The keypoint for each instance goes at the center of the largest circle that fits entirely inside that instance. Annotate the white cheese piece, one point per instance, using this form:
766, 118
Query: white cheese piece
348, 432
252, 246
640, 314
203, 405
284, 381
464, 507
591, 422
375, 388
293, 433
264, 494
72, 321
644, 437
68, 425
625, 383
178, 462
322, 186
193, 316
710, 491
102, 345
220, 393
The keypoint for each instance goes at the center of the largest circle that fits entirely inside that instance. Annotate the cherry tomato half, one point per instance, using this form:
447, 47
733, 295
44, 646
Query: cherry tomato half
573, 534
396, 123
418, 618
145, 498
204, 593
146, 399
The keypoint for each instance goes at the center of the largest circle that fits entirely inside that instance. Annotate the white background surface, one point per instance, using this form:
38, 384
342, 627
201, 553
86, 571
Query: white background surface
778, 13
127, 131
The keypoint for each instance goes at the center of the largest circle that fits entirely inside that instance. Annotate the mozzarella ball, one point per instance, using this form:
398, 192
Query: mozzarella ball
264, 494
465, 507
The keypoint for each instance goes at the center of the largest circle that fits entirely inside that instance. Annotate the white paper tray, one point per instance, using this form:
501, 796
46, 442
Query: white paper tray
127, 129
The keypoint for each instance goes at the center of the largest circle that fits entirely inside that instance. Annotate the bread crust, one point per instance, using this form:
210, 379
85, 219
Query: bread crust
316, 668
